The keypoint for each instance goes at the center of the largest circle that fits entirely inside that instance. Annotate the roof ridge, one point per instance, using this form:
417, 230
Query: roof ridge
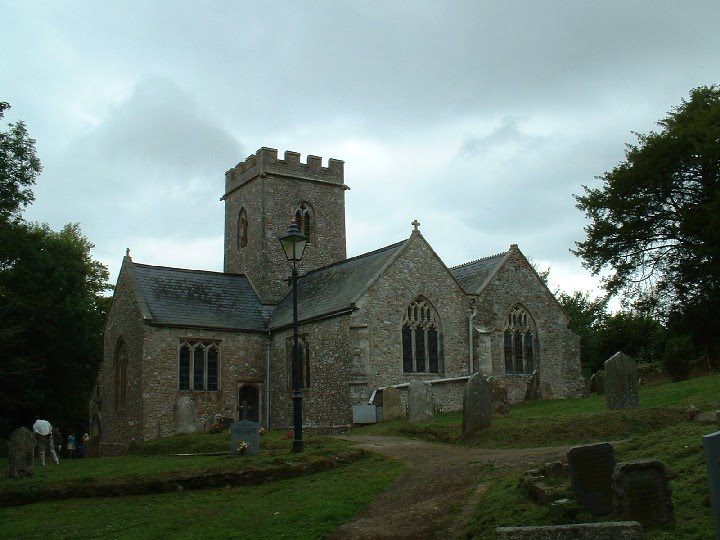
337, 263
187, 270
480, 259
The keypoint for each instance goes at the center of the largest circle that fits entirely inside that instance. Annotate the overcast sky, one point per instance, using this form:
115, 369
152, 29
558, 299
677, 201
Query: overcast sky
480, 119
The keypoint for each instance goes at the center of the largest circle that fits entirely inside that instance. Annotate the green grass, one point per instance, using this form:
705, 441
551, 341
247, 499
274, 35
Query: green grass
307, 507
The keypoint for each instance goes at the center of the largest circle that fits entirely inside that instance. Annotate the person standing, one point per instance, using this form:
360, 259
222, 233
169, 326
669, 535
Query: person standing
43, 435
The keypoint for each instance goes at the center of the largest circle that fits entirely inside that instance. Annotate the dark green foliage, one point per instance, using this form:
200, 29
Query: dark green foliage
586, 317
655, 222
677, 356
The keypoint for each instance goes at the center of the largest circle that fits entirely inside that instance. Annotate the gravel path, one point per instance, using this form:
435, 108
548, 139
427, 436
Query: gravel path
438, 492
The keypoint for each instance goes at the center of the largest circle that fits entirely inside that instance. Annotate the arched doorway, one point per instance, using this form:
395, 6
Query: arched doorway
249, 403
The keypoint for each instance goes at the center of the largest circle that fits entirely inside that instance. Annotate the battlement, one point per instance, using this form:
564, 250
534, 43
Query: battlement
265, 162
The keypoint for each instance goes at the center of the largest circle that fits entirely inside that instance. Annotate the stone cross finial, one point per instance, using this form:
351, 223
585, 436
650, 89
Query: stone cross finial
127, 252
415, 224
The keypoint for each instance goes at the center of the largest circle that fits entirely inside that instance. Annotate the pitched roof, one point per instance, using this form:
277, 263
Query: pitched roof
473, 275
334, 288
197, 298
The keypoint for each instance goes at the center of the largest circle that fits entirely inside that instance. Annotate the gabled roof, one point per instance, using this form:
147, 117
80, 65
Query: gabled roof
474, 275
333, 289
197, 298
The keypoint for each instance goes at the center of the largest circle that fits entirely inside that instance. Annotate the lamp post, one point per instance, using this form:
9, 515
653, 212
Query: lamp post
293, 244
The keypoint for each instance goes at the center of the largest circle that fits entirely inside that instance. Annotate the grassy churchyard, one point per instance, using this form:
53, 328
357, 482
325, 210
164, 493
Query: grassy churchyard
276, 494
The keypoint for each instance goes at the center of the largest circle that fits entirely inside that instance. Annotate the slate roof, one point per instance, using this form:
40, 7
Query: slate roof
197, 298
334, 288
473, 275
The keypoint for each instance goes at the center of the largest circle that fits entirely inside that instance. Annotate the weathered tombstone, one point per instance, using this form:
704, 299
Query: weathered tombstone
641, 492
21, 450
621, 382
711, 444
184, 415
597, 383
533, 387
392, 407
546, 390
500, 400
421, 405
591, 471
247, 432
477, 404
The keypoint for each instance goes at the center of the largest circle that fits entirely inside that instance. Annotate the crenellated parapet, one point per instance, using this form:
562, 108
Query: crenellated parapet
265, 162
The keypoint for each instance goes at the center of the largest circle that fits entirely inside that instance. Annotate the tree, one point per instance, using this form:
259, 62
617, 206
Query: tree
655, 222
586, 318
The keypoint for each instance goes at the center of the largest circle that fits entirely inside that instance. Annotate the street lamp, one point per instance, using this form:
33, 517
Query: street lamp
293, 244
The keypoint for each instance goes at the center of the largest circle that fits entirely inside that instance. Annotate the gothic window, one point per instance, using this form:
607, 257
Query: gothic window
421, 338
304, 354
242, 229
121, 363
198, 365
302, 219
520, 342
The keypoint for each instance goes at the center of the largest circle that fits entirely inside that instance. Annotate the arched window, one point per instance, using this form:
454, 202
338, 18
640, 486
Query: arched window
242, 229
302, 219
304, 353
421, 338
121, 363
198, 365
520, 342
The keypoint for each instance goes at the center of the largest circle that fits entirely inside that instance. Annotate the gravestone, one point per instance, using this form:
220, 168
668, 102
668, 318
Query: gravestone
477, 404
246, 431
392, 407
641, 492
421, 405
597, 383
184, 415
500, 400
591, 471
711, 444
532, 393
21, 450
621, 382
546, 391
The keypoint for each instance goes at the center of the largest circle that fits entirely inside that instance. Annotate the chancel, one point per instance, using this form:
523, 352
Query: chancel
378, 320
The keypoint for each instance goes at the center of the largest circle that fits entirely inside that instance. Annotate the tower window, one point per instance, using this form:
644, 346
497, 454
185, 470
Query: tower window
303, 218
242, 229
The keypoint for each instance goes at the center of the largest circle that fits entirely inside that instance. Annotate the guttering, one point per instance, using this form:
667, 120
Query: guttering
267, 382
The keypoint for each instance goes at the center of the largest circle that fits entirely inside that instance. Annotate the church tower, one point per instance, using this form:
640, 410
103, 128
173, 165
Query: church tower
262, 195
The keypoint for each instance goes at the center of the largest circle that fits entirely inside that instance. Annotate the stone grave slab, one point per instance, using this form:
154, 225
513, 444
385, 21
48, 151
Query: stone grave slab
477, 404
184, 415
591, 472
247, 431
609, 530
532, 393
711, 444
421, 404
21, 451
621, 382
500, 400
641, 492
392, 406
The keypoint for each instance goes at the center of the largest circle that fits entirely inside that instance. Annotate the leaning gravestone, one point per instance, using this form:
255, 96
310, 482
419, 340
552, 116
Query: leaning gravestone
641, 492
711, 444
184, 415
500, 400
245, 431
621, 382
392, 407
21, 449
421, 405
477, 404
532, 393
591, 470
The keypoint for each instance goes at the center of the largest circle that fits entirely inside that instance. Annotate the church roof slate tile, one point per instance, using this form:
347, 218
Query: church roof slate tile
198, 298
333, 289
473, 275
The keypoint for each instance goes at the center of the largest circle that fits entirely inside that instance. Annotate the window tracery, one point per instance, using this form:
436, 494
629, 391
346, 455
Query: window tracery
198, 365
520, 342
421, 338
302, 219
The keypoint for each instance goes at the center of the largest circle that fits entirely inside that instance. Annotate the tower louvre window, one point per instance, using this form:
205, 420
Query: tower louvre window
242, 229
303, 216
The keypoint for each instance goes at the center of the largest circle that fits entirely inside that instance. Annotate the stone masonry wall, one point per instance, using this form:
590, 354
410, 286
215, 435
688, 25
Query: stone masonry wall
120, 426
559, 347
326, 402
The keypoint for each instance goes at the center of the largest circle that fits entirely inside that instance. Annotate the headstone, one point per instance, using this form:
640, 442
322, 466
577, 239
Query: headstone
621, 382
477, 404
500, 400
184, 415
421, 405
711, 444
597, 383
591, 471
641, 492
21, 449
245, 431
546, 390
392, 407
533, 387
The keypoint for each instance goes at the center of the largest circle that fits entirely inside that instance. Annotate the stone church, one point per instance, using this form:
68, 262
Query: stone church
383, 318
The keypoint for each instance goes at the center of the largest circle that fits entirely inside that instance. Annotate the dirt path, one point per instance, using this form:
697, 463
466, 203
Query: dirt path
436, 495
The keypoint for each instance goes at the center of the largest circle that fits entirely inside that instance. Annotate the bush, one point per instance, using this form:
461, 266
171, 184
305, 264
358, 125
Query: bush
676, 358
